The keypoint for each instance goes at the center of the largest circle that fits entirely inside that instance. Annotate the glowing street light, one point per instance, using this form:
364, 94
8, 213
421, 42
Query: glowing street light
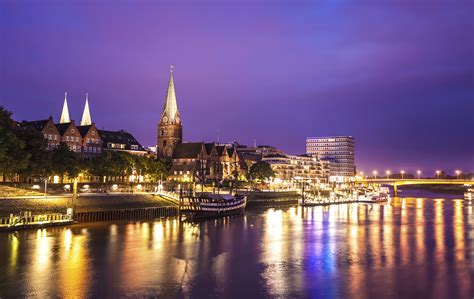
374, 173
418, 172
458, 172
438, 172
402, 172
387, 173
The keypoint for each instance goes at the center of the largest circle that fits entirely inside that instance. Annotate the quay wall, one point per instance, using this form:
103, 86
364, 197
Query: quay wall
83, 204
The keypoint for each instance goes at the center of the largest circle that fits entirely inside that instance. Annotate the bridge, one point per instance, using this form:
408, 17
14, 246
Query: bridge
403, 182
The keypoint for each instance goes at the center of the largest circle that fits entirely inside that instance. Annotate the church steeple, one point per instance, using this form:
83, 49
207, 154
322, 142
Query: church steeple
86, 116
170, 130
65, 113
170, 110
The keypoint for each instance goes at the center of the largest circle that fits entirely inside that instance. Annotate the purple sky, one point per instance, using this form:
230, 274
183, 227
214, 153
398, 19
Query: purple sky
397, 77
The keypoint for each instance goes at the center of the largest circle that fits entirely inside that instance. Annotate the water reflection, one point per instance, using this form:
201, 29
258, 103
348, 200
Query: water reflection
410, 247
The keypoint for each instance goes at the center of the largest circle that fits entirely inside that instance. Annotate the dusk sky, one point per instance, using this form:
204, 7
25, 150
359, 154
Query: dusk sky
397, 77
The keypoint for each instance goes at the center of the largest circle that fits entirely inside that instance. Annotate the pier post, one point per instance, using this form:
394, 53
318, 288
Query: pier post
395, 190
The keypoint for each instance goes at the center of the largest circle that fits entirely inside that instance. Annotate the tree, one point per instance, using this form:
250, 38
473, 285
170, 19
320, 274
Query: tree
66, 162
156, 169
13, 157
261, 171
39, 162
102, 166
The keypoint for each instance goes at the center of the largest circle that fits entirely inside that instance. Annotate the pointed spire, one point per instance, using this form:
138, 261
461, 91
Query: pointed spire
65, 112
86, 116
171, 106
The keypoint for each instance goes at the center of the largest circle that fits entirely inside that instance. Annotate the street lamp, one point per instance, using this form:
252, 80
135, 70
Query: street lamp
458, 172
374, 173
402, 172
418, 172
438, 172
388, 174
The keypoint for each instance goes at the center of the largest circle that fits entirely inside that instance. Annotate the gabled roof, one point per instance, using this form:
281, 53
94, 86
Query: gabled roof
38, 124
84, 129
221, 150
230, 151
62, 128
120, 137
209, 147
188, 150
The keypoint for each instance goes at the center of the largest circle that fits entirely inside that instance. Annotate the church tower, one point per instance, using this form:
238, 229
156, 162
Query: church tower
170, 130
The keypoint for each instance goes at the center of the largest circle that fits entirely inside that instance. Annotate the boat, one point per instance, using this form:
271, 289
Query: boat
469, 194
369, 195
210, 205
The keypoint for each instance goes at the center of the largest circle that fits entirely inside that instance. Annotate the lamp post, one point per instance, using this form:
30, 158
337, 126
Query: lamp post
438, 172
375, 174
418, 172
388, 174
458, 172
402, 172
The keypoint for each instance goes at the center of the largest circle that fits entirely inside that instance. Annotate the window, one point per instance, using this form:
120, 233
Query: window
67, 138
175, 172
93, 133
134, 146
55, 137
72, 130
164, 142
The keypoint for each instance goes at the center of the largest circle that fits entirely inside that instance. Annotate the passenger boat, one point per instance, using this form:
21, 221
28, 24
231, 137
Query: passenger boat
373, 195
209, 205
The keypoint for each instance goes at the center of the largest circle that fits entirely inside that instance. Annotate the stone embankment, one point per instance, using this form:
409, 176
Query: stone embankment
84, 203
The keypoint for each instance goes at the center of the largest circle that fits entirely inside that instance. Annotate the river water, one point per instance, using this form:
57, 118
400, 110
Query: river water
410, 248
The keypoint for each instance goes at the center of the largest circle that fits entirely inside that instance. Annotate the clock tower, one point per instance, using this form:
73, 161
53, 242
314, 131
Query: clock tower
170, 130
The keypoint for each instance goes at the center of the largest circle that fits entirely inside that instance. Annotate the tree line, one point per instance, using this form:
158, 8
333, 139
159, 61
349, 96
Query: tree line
23, 152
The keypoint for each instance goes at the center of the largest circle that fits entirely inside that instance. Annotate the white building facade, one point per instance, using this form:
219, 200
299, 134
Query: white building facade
338, 150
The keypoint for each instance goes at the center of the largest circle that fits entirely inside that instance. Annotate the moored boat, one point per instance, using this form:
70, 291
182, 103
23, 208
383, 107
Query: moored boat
209, 205
469, 194
373, 195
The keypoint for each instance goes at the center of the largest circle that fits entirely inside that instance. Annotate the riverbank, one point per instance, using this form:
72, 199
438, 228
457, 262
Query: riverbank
271, 198
446, 189
84, 203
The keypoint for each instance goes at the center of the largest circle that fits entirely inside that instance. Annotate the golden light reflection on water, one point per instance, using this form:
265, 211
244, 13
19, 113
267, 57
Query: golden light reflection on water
354, 250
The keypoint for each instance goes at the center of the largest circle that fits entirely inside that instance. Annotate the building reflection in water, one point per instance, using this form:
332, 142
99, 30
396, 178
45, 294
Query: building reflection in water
406, 247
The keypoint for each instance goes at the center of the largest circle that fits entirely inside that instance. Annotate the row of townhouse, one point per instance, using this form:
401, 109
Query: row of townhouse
86, 140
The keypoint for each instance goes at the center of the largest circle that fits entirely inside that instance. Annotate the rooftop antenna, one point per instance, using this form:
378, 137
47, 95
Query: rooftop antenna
255, 142
218, 137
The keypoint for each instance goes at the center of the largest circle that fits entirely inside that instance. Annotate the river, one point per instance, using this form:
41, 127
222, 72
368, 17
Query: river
408, 247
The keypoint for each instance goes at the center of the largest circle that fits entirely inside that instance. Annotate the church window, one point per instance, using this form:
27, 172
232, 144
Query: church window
164, 142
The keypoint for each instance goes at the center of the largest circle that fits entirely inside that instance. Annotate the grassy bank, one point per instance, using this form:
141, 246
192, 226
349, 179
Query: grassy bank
41, 205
